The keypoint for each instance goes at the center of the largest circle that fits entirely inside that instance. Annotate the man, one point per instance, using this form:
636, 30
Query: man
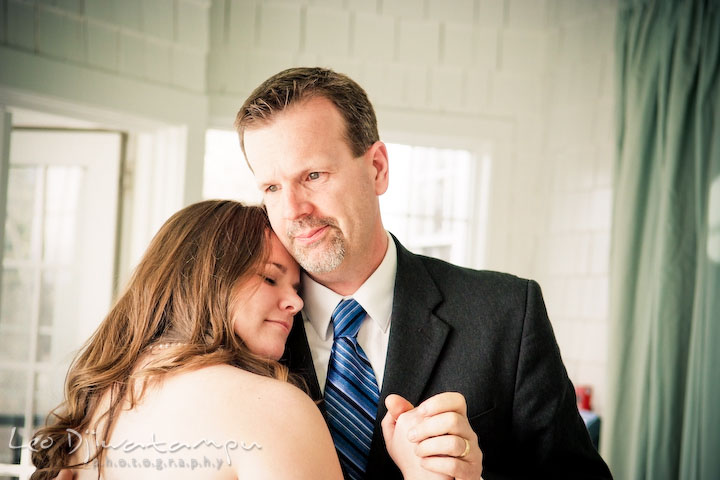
425, 327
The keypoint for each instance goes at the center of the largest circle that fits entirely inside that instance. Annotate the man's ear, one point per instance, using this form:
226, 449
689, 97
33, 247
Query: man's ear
378, 157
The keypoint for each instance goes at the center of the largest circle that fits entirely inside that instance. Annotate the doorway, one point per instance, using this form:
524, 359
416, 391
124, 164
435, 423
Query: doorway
58, 263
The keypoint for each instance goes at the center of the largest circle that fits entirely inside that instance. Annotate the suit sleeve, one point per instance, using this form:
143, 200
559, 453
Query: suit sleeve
545, 415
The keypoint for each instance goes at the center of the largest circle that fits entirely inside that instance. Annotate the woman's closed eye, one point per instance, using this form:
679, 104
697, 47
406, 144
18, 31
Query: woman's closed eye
269, 280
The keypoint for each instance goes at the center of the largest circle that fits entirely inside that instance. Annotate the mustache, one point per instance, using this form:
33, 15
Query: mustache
309, 222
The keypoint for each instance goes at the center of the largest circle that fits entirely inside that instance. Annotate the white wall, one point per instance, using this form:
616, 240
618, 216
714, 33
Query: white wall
579, 142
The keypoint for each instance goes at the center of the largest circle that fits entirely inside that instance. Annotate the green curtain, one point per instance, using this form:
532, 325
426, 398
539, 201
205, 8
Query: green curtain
663, 418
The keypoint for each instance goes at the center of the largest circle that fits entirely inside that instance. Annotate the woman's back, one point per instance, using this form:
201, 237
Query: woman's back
215, 422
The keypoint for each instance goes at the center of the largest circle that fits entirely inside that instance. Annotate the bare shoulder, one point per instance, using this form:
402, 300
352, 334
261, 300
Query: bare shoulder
279, 430
228, 386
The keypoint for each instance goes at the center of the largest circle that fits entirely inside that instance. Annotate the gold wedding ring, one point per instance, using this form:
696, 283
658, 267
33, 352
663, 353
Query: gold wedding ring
467, 449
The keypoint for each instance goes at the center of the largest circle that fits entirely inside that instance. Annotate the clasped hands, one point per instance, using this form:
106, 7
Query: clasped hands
434, 440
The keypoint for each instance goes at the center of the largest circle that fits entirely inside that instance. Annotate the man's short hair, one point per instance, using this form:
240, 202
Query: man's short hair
296, 85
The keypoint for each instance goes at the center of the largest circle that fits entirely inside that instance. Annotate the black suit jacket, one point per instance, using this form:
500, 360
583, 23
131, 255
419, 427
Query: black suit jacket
486, 335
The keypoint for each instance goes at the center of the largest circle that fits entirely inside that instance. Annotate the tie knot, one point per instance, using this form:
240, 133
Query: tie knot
346, 318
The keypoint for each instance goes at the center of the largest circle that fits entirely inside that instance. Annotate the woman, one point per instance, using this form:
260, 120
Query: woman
181, 378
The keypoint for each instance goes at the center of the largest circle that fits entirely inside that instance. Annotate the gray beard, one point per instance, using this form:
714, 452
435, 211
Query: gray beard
315, 260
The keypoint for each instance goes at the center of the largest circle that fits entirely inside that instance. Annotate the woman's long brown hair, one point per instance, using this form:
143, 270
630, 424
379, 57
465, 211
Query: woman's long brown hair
181, 293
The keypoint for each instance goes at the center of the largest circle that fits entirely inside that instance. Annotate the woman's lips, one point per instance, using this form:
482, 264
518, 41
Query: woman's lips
285, 325
311, 236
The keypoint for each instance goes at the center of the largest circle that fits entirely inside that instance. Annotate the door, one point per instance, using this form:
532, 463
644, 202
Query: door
58, 261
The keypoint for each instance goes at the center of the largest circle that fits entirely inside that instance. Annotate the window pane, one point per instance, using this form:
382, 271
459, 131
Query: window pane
14, 343
44, 348
7, 434
56, 294
12, 401
428, 203
57, 331
16, 317
61, 202
17, 293
23, 195
48, 394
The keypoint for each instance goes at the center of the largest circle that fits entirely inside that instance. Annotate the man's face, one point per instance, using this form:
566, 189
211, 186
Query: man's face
322, 202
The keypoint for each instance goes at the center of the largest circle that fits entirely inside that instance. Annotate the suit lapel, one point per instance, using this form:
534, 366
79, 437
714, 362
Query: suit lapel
417, 337
299, 360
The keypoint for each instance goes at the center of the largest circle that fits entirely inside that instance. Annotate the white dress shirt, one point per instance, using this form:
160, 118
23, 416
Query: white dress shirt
375, 296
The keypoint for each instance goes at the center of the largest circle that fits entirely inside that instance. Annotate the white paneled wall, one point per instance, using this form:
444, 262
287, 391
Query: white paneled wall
160, 41
410, 54
580, 150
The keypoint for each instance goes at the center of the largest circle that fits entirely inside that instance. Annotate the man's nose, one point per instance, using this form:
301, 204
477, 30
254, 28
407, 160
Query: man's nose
295, 203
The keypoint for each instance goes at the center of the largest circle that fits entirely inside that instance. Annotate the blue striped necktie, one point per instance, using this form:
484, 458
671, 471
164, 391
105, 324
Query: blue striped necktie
351, 391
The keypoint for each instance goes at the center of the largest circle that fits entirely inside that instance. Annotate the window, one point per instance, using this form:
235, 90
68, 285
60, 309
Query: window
431, 204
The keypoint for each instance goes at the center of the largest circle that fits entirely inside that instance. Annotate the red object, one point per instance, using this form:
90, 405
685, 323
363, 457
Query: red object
584, 396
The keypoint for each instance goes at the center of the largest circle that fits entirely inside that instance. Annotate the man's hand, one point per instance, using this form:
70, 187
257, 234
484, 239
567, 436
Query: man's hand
444, 442
400, 418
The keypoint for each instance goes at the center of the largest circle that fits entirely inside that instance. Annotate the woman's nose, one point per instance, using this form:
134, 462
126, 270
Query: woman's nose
292, 302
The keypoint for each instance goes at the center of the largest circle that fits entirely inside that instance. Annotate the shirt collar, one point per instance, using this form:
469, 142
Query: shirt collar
375, 296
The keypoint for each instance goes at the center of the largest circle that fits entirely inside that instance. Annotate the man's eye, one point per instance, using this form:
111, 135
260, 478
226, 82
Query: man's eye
313, 175
272, 189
